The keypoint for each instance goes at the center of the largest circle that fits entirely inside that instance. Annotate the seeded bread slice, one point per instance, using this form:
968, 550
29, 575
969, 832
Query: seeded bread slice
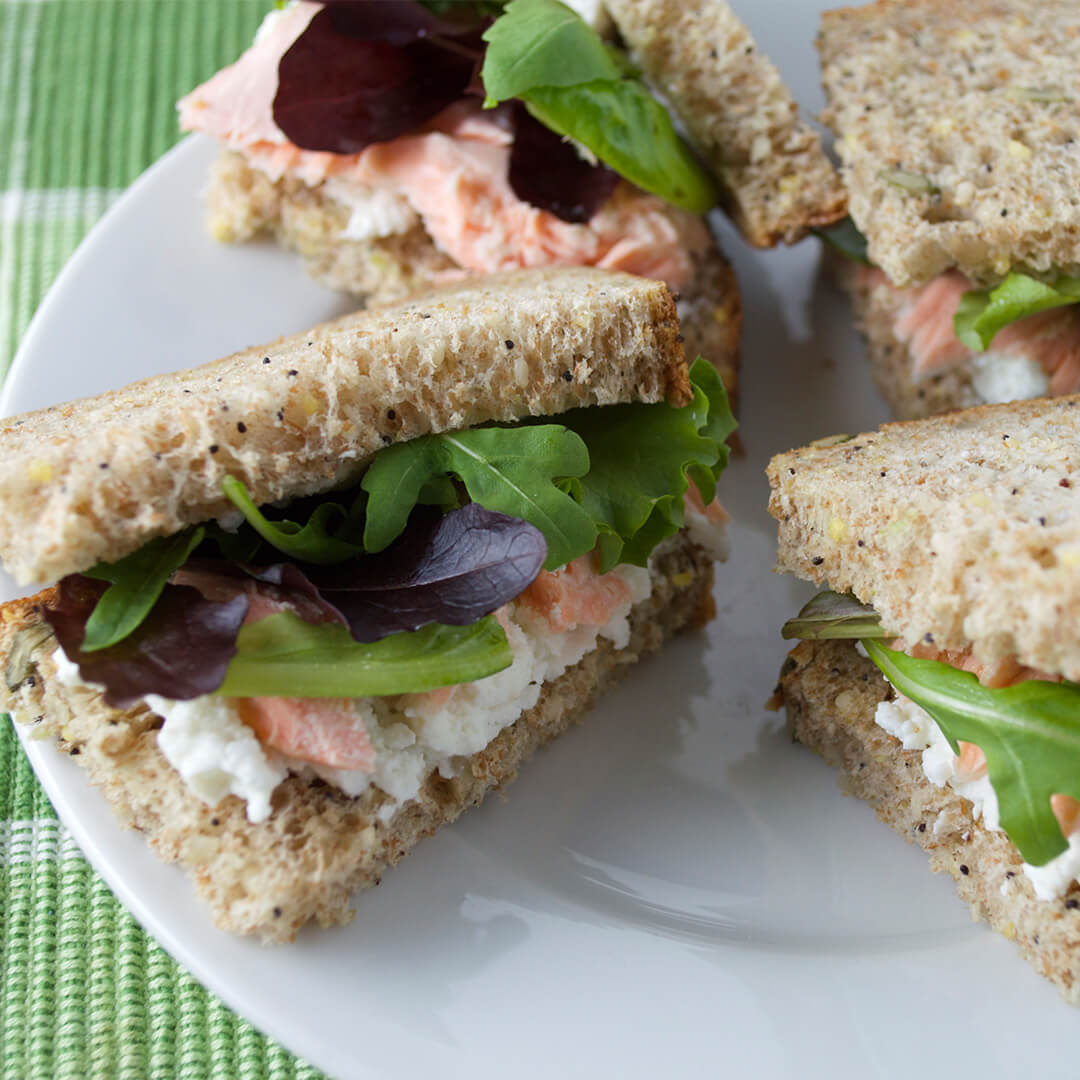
981, 100
244, 203
964, 526
98, 478
778, 182
319, 845
830, 694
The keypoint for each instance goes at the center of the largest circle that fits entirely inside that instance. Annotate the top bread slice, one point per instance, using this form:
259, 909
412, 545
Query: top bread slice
96, 479
777, 181
965, 527
981, 99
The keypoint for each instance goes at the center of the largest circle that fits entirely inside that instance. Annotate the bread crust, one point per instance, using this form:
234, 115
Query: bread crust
982, 99
96, 479
830, 694
965, 526
319, 846
777, 181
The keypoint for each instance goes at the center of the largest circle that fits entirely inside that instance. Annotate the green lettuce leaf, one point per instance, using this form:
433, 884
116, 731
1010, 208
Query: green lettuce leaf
136, 582
511, 470
983, 312
641, 459
834, 615
541, 43
844, 236
1030, 734
546, 55
283, 656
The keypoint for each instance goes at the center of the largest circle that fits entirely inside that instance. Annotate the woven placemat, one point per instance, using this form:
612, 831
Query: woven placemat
87, 94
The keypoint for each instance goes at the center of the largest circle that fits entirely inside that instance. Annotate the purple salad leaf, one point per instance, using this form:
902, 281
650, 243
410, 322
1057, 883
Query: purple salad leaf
547, 171
368, 73
181, 649
452, 570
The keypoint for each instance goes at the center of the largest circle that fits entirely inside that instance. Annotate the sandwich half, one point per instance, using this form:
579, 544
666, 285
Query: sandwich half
498, 136
319, 597
957, 129
940, 671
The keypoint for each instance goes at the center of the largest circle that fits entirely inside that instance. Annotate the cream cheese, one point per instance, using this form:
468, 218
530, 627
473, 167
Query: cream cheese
1008, 376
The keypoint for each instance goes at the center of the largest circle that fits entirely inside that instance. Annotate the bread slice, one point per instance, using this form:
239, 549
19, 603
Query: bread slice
964, 526
98, 478
243, 203
777, 181
981, 98
877, 305
830, 693
319, 845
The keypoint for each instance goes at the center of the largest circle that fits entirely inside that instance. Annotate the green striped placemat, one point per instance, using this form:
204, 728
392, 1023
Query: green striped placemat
87, 93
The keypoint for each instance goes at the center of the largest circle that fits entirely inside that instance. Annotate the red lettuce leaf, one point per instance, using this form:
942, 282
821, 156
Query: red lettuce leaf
363, 73
548, 172
181, 649
452, 570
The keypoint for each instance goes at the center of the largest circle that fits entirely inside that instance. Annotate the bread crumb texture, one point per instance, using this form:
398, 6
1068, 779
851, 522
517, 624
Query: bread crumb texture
777, 181
965, 526
319, 845
979, 99
95, 479
830, 694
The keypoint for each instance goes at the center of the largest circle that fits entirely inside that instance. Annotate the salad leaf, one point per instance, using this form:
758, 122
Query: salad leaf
136, 582
1030, 734
537, 43
510, 470
452, 570
844, 236
283, 656
640, 460
834, 615
311, 542
983, 312
180, 650
547, 56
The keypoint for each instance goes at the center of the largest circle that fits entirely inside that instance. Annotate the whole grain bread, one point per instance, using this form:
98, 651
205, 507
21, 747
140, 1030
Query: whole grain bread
980, 99
830, 693
96, 479
777, 181
965, 526
244, 203
319, 845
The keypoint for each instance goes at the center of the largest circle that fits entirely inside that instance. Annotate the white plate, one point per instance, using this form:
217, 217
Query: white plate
674, 889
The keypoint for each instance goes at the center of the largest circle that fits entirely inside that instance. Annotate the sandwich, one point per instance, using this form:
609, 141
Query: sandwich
940, 671
396, 144
319, 597
956, 127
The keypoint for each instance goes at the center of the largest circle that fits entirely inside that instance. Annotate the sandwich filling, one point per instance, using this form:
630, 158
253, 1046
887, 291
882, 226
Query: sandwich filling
405, 622
457, 172
1001, 734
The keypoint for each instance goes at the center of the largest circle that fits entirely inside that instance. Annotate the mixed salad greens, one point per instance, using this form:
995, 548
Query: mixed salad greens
1030, 732
396, 578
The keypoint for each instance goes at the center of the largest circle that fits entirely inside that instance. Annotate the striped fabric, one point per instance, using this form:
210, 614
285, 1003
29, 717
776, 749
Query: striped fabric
87, 92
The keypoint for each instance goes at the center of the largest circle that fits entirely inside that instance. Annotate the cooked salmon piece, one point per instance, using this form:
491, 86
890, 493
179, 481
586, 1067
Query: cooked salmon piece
324, 731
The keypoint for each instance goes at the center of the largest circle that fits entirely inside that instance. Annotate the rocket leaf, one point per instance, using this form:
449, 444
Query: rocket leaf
834, 615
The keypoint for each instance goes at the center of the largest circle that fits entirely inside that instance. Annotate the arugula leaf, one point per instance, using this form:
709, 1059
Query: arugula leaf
844, 236
834, 615
136, 582
511, 470
283, 656
309, 543
983, 312
546, 55
640, 457
541, 43
1030, 734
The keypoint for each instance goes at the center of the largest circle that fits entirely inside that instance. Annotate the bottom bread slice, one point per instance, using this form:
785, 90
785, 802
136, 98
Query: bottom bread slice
830, 693
244, 203
319, 845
